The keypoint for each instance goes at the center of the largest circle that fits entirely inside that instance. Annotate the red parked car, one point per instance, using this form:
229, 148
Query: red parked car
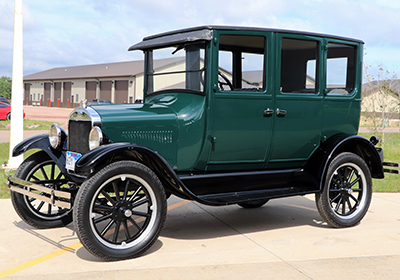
5, 111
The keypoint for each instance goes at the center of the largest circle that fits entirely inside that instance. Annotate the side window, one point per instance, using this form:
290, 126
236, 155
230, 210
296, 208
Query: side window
299, 66
341, 68
241, 63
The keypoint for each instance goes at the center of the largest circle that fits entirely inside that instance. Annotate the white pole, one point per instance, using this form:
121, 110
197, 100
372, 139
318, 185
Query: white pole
17, 129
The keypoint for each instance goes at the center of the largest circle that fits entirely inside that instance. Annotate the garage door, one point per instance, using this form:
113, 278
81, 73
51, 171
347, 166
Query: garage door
121, 92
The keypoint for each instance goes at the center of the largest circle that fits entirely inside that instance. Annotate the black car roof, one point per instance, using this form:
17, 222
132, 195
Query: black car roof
205, 33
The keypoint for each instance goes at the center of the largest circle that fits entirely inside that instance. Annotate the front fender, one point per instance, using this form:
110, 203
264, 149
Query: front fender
41, 142
96, 159
318, 164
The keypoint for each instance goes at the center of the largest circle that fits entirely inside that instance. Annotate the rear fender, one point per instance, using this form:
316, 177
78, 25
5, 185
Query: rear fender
318, 164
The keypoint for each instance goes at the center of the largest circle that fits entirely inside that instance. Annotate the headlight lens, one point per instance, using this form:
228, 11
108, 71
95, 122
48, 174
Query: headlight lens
95, 138
55, 136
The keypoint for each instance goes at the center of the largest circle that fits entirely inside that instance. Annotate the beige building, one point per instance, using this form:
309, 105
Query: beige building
120, 82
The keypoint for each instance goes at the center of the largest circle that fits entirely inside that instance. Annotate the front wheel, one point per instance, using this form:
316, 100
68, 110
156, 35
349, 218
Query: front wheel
347, 192
120, 211
40, 169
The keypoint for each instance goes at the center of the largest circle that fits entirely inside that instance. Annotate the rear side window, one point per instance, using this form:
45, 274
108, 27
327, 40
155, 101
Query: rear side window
341, 68
299, 66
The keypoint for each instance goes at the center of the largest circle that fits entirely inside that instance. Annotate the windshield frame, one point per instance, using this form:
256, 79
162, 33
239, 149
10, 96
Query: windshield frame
149, 72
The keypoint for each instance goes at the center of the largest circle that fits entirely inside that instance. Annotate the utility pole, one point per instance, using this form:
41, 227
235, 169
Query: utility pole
17, 129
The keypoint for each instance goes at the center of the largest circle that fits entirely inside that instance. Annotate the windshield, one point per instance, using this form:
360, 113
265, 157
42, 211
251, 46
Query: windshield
179, 67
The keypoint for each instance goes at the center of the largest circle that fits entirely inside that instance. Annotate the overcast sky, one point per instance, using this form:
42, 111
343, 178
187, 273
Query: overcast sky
79, 32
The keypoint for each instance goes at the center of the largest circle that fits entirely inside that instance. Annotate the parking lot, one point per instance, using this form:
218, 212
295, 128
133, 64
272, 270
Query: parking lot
285, 239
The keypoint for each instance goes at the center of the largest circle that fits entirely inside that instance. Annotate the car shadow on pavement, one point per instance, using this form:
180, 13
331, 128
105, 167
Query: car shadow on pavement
212, 222
41, 234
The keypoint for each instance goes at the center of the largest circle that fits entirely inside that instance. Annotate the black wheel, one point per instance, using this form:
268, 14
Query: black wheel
347, 191
8, 116
40, 169
253, 204
120, 211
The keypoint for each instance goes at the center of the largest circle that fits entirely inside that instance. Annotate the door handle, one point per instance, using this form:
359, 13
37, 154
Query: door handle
268, 111
280, 112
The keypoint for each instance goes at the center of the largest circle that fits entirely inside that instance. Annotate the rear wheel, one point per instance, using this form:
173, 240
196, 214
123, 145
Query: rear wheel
40, 169
347, 191
8, 116
120, 211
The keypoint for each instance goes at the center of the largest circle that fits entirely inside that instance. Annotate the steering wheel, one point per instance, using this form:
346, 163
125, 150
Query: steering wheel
226, 82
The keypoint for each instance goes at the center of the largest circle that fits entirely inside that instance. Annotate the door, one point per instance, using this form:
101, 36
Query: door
298, 101
241, 117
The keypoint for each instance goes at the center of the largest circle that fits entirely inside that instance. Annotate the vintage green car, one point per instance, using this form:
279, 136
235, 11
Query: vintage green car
241, 115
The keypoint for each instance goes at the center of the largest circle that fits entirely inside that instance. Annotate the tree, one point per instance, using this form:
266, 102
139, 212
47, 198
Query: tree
5, 86
381, 100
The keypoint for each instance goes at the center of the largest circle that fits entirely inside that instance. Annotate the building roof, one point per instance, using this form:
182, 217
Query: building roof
105, 70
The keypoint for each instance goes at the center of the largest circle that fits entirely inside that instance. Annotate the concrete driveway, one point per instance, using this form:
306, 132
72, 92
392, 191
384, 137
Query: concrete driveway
285, 239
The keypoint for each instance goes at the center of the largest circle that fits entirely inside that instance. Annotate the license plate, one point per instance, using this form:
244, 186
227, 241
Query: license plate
72, 157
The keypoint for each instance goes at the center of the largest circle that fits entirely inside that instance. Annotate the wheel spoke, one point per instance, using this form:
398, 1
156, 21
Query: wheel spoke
52, 171
40, 206
103, 218
336, 197
59, 176
107, 228
142, 214
116, 231
44, 173
116, 190
126, 230
137, 204
355, 199
344, 206
126, 190
338, 205
349, 204
135, 224
49, 209
35, 178
355, 182
135, 194
109, 198
100, 208
351, 176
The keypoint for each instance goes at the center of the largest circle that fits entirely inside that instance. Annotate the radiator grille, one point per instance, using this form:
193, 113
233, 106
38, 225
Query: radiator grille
78, 136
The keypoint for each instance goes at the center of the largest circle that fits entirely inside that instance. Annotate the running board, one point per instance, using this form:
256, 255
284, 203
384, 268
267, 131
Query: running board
57, 198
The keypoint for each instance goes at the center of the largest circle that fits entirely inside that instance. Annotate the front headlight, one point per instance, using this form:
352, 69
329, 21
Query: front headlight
95, 138
56, 136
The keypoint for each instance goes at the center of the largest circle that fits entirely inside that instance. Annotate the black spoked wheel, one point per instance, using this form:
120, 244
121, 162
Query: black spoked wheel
347, 192
253, 204
120, 211
40, 169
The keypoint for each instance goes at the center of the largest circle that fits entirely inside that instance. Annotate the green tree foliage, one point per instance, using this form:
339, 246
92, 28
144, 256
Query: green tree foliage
5, 86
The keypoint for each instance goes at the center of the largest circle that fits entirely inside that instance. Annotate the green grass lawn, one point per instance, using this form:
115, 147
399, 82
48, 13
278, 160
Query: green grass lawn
28, 125
391, 183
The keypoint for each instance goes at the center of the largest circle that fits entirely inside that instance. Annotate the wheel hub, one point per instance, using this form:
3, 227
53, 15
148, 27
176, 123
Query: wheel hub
122, 211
